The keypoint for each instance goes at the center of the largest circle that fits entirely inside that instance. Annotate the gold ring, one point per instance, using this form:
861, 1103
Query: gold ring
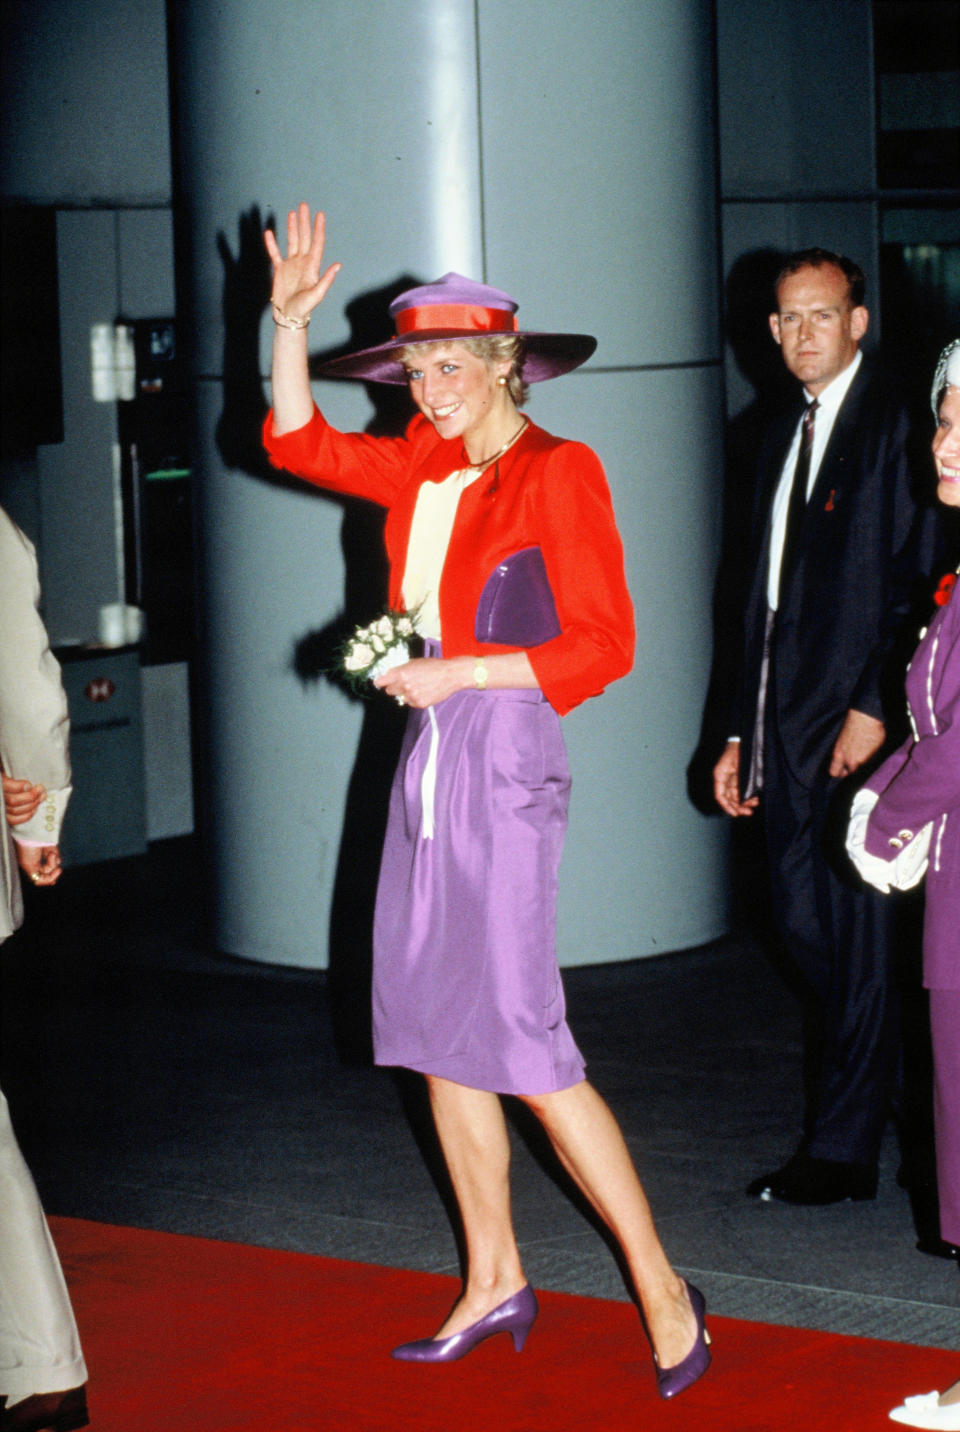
35, 878
400, 700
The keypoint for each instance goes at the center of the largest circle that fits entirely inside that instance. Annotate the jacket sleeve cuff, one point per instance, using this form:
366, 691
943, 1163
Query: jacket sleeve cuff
43, 827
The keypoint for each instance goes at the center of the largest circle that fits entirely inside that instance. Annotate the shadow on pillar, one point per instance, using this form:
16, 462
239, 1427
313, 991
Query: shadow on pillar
246, 293
749, 302
314, 654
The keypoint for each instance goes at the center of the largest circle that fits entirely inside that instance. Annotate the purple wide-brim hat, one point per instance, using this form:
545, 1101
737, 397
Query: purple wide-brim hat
455, 307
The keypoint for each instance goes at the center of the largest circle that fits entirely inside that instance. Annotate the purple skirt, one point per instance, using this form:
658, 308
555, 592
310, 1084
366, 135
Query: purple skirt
465, 978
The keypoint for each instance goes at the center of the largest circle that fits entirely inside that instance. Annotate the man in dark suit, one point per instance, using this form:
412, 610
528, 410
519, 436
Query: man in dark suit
836, 552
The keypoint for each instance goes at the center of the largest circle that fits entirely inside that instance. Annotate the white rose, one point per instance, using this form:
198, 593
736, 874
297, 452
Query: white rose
359, 656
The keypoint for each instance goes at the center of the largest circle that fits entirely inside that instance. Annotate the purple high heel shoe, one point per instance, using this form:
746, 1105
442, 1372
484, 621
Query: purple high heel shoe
515, 1316
671, 1380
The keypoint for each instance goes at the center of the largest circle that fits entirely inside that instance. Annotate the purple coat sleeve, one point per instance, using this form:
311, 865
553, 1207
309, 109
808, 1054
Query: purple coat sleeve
921, 780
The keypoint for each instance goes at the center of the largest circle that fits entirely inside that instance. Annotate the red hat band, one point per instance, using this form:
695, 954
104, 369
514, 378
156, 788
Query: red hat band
467, 316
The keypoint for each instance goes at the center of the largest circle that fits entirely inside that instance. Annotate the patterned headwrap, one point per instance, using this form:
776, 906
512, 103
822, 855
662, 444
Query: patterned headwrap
947, 374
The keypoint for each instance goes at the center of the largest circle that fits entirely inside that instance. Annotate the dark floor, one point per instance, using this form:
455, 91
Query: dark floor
157, 1084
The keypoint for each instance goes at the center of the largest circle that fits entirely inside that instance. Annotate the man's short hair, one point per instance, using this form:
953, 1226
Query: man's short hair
817, 258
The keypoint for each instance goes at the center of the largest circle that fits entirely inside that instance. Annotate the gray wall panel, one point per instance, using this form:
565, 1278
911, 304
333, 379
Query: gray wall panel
598, 158
81, 566
797, 153
796, 111
145, 251
84, 102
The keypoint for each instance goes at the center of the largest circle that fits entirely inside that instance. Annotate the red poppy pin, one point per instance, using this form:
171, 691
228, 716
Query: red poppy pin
944, 587
829, 505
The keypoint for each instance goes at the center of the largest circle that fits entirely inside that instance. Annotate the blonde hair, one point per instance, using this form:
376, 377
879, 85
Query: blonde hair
491, 348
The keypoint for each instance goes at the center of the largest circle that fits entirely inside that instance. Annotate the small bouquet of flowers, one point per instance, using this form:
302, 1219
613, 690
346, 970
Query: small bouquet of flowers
377, 648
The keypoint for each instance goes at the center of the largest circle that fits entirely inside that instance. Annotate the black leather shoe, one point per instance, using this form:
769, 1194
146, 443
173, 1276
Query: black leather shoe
807, 1180
937, 1247
57, 1411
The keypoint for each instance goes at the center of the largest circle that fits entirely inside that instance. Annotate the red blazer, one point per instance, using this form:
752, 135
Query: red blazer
544, 492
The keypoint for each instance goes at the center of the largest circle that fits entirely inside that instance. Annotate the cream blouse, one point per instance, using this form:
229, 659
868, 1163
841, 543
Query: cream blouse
430, 532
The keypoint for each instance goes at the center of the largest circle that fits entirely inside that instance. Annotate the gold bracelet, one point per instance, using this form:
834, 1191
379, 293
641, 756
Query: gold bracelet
480, 674
286, 320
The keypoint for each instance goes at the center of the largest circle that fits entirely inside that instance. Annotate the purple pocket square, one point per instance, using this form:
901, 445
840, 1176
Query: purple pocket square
516, 605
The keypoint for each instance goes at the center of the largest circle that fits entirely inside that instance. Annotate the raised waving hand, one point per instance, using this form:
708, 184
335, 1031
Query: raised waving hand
298, 284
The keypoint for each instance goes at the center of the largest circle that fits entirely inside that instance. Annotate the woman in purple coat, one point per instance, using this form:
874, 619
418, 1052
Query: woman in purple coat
906, 822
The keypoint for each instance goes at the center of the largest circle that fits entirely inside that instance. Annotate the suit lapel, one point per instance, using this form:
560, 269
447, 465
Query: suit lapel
838, 467
775, 449
839, 458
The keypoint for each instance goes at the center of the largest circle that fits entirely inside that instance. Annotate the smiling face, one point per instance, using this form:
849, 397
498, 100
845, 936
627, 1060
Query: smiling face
946, 448
816, 326
459, 394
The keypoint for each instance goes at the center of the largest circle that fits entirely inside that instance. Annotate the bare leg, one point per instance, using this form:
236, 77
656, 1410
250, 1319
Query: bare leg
952, 1395
476, 1147
589, 1144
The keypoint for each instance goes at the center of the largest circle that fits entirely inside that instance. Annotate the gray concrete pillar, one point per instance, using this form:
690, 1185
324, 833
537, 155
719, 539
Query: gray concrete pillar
565, 153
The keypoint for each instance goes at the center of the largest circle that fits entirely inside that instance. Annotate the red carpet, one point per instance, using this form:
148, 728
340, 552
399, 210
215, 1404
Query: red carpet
186, 1335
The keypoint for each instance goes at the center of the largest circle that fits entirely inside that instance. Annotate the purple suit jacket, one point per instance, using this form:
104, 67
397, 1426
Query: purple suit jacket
921, 782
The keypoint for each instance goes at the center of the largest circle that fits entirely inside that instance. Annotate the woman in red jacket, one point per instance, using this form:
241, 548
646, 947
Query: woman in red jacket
502, 542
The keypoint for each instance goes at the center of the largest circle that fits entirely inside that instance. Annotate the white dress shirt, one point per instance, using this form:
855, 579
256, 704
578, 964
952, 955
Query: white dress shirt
829, 401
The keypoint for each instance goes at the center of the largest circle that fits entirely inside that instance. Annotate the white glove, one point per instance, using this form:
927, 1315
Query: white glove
902, 871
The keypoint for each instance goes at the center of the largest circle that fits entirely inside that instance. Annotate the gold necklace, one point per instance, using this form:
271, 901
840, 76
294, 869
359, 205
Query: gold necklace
486, 461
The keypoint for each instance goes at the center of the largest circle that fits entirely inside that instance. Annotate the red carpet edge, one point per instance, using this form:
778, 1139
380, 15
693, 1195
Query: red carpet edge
186, 1334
